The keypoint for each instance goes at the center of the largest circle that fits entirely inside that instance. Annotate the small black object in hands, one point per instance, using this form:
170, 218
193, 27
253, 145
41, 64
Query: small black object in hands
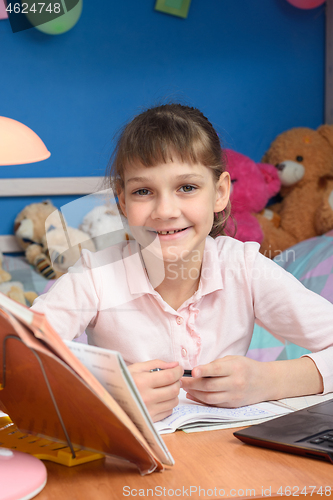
187, 373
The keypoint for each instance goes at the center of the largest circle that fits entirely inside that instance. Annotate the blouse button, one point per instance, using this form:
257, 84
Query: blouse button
179, 320
184, 352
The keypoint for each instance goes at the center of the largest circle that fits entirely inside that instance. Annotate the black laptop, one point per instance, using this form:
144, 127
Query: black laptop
307, 432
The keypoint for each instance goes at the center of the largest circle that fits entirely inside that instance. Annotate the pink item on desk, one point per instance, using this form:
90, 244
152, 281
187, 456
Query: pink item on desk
22, 476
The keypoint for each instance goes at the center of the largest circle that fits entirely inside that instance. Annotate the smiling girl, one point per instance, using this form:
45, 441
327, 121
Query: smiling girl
181, 297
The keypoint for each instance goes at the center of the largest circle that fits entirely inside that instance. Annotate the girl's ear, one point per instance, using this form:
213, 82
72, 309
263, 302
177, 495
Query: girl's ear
121, 200
222, 192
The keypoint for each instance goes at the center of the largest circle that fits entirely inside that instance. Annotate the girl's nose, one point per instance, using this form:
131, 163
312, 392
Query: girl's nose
165, 208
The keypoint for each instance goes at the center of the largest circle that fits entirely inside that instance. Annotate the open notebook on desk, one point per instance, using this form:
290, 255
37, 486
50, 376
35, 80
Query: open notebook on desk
194, 417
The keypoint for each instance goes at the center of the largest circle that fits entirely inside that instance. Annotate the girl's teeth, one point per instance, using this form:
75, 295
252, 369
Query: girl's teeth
169, 232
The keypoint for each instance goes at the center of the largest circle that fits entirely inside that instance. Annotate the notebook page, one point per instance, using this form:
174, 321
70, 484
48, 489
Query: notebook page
189, 412
110, 370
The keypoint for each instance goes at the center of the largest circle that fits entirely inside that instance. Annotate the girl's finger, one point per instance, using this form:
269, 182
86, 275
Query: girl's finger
158, 364
167, 377
211, 384
161, 394
208, 398
153, 364
219, 368
164, 409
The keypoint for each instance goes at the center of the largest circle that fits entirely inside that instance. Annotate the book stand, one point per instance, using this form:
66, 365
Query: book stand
12, 437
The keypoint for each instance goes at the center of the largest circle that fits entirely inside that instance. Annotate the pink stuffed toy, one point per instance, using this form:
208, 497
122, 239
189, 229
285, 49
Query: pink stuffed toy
252, 185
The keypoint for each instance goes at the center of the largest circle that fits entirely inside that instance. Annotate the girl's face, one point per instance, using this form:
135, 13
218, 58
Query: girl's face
175, 202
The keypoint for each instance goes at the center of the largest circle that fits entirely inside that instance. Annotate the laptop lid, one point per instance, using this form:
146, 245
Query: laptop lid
307, 432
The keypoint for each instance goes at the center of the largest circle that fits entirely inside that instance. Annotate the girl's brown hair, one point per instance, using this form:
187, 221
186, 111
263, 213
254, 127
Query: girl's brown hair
163, 132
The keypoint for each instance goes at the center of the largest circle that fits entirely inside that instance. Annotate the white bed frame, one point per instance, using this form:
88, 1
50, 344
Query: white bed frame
44, 187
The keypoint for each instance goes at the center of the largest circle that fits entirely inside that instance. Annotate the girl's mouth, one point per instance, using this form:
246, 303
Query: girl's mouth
171, 232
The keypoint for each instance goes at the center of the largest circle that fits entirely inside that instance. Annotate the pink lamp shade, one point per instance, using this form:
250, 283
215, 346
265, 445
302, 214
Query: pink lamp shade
19, 144
3, 13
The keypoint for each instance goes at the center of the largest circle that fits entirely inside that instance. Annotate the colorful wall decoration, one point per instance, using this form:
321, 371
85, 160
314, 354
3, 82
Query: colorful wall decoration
3, 13
306, 4
63, 23
178, 8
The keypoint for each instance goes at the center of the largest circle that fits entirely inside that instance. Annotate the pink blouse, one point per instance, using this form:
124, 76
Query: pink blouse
108, 295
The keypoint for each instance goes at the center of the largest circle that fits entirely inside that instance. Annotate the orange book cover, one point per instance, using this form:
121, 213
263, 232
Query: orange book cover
48, 392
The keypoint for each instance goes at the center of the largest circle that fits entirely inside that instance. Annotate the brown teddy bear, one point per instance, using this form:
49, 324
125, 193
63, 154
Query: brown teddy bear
64, 247
304, 160
29, 229
49, 244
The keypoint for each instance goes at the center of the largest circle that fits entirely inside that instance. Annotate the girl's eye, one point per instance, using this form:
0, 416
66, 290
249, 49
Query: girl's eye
142, 192
187, 188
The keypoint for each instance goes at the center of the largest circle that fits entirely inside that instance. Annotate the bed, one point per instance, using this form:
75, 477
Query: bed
310, 261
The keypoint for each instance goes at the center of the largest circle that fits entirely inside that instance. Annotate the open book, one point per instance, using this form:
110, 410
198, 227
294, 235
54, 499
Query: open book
191, 416
47, 391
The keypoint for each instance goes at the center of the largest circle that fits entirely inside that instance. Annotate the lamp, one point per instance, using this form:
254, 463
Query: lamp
19, 144
21, 476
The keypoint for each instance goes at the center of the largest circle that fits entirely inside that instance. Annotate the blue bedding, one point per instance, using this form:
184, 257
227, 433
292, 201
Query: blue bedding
310, 261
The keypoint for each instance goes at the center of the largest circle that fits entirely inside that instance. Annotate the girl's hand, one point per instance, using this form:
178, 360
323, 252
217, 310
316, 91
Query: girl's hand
233, 381
237, 381
159, 390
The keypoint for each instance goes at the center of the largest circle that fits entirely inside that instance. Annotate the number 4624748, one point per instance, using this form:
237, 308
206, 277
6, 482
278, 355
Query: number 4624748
36, 8
296, 491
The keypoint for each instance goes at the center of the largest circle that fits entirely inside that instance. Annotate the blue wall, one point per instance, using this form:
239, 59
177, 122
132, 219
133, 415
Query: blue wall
255, 68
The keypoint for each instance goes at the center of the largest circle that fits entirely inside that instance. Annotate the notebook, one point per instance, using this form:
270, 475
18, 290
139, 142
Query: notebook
190, 416
307, 432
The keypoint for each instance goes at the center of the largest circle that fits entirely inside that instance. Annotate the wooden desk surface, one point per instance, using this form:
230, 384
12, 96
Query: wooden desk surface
214, 461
